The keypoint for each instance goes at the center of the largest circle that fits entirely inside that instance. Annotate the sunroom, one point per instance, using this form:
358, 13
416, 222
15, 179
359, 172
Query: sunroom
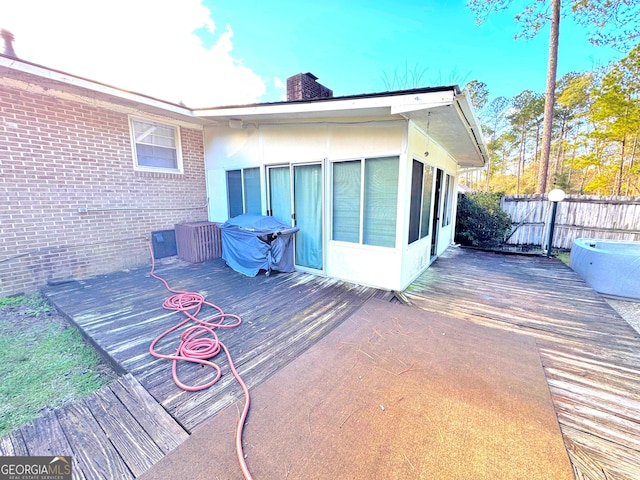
370, 180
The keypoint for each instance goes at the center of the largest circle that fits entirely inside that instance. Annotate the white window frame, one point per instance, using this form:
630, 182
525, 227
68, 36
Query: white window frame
447, 205
243, 186
179, 169
361, 219
424, 230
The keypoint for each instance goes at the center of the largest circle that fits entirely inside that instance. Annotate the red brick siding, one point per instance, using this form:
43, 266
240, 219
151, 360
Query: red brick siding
303, 86
58, 156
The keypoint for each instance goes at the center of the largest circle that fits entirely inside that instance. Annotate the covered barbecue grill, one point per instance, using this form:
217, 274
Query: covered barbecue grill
251, 243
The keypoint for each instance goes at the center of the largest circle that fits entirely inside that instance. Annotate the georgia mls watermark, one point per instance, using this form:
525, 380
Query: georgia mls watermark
35, 468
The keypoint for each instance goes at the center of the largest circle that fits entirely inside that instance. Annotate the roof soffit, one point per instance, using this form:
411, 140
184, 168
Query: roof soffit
442, 112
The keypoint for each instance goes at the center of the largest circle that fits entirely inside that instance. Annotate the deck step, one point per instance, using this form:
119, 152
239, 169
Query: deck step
99, 430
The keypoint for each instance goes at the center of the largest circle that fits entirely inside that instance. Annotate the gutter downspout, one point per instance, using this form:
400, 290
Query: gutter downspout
472, 124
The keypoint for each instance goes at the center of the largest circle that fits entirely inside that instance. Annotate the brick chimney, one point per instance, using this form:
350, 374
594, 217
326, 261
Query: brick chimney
7, 36
303, 86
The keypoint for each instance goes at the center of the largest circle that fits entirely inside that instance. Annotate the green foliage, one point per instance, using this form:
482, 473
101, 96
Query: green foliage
481, 221
561, 181
564, 257
34, 304
595, 147
528, 108
607, 22
44, 363
573, 90
596, 114
478, 93
11, 301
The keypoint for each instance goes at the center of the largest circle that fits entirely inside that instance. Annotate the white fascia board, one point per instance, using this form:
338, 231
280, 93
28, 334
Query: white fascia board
467, 112
53, 75
423, 101
391, 104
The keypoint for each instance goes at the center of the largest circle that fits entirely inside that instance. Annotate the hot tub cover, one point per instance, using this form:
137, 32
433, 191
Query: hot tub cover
251, 243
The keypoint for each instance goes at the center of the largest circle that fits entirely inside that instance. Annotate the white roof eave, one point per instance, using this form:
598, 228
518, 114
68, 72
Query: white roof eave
339, 107
445, 114
453, 122
32, 73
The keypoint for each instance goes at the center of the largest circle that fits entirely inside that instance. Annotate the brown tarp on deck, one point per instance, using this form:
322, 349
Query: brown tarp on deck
392, 393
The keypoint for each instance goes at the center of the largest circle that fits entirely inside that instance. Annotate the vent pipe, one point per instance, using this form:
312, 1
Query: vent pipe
8, 38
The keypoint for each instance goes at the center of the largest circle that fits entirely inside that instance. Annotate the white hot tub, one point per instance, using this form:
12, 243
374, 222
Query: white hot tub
611, 267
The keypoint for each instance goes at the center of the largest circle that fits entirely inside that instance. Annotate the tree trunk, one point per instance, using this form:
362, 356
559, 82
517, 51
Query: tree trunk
631, 164
536, 149
559, 162
520, 158
550, 95
486, 187
619, 176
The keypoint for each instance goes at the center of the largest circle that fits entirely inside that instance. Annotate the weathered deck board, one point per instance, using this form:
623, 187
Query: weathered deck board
123, 430
282, 315
97, 457
160, 427
591, 356
117, 432
44, 436
14, 445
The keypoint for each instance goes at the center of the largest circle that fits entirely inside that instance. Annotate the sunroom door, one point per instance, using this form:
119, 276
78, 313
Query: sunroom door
299, 203
307, 214
280, 193
437, 212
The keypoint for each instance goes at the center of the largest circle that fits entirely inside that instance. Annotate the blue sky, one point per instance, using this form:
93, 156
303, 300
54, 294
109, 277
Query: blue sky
230, 52
351, 45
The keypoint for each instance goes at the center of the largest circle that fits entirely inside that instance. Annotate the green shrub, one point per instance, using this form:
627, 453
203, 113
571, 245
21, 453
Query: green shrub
481, 221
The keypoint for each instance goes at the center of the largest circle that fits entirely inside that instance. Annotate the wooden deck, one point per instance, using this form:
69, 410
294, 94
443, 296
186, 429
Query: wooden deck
282, 315
117, 432
591, 356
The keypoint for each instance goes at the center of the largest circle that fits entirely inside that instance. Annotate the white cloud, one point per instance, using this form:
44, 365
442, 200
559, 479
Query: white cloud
278, 83
147, 46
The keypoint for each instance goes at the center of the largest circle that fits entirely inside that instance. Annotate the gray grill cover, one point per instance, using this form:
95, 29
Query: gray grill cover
251, 243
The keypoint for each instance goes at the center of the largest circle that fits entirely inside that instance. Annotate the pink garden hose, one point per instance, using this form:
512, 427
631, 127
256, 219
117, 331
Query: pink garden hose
199, 344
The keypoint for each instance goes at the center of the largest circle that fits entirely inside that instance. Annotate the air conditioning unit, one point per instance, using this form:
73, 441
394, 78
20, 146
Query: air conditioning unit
198, 241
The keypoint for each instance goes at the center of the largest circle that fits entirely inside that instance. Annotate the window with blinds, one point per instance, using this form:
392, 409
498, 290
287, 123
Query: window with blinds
156, 146
243, 191
365, 201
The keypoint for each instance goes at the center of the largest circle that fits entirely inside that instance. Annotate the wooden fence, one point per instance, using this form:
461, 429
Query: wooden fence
578, 216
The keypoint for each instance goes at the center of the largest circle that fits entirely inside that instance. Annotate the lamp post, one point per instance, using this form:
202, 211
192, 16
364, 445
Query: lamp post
556, 195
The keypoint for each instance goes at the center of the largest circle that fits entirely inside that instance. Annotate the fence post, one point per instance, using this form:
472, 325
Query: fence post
556, 195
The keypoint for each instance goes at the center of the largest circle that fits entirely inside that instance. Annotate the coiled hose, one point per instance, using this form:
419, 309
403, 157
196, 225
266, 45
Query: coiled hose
199, 344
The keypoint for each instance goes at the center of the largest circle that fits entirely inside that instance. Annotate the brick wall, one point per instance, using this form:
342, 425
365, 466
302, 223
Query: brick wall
57, 156
303, 86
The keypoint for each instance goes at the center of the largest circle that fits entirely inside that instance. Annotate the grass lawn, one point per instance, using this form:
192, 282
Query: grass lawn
564, 257
44, 362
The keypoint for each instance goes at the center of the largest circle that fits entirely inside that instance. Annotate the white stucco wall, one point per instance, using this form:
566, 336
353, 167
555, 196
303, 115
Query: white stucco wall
389, 268
227, 149
416, 257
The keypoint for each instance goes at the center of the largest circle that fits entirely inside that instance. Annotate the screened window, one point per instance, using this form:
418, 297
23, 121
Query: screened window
365, 198
347, 192
427, 190
448, 194
420, 206
156, 146
243, 191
